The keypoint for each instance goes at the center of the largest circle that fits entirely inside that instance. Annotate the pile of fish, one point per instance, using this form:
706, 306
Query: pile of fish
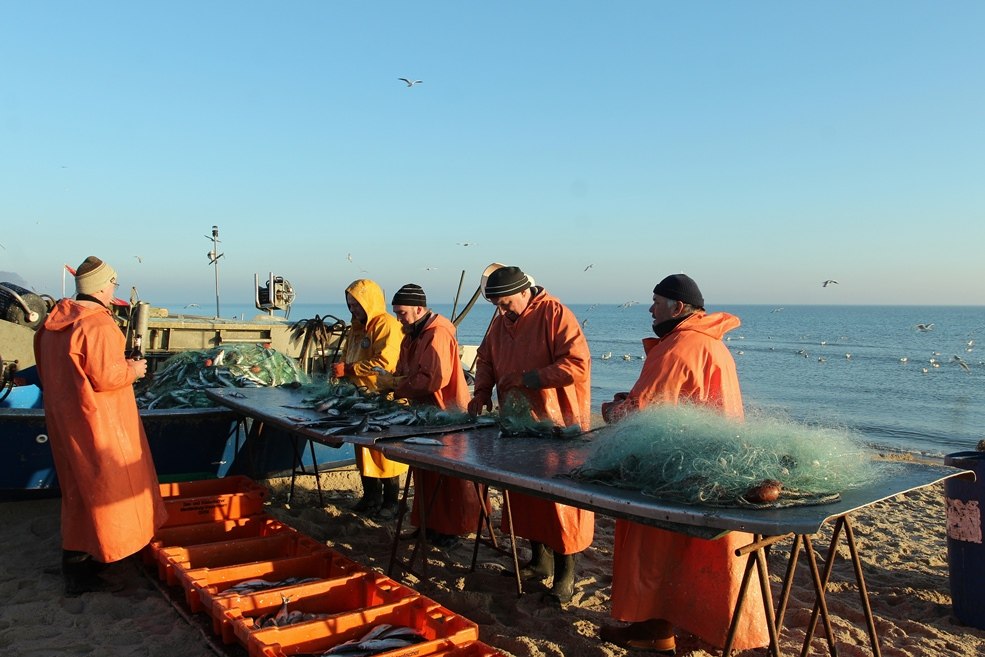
180, 381
349, 409
380, 639
253, 585
283, 617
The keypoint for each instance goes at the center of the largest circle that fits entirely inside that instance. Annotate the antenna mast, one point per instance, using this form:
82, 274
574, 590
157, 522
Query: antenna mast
214, 256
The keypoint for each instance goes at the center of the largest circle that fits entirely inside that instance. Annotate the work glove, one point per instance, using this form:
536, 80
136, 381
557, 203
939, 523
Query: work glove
480, 401
338, 370
531, 380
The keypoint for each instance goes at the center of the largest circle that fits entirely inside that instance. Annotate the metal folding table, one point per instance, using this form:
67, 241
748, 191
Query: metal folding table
540, 466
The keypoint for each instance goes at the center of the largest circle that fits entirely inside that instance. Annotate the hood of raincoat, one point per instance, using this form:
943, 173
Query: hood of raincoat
68, 311
370, 297
714, 325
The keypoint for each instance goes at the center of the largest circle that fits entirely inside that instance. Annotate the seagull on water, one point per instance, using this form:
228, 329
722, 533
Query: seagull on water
410, 83
828, 282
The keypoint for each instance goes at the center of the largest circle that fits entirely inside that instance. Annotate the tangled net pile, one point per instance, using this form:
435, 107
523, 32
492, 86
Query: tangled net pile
516, 418
697, 456
181, 381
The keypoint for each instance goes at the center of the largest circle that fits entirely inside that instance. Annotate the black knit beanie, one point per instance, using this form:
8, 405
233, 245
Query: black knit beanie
410, 295
506, 281
680, 287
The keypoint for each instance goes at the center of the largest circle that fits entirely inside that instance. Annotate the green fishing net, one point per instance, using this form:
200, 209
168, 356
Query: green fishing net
181, 380
516, 418
697, 456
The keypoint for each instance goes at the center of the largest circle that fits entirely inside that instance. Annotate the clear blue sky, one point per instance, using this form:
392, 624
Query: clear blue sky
761, 147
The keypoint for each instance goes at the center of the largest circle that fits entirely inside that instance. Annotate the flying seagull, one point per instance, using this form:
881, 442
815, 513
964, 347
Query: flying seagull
589, 267
925, 327
411, 83
828, 282
139, 259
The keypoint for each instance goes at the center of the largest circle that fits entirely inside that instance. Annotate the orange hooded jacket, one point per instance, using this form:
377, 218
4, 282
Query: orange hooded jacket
690, 582
111, 499
546, 337
434, 376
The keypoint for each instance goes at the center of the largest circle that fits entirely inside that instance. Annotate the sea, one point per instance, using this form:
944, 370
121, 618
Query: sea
906, 379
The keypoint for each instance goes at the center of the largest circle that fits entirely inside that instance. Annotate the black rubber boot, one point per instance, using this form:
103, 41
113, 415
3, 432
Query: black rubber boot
81, 573
541, 562
372, 496
563, 588
391, 499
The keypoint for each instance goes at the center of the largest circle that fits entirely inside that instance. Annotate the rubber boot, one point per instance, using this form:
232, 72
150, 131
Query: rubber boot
81, 574
391, 499
541, 562
372, 496
563, 588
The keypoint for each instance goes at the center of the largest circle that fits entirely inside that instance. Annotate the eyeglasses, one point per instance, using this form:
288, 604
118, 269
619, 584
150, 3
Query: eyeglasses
113, 281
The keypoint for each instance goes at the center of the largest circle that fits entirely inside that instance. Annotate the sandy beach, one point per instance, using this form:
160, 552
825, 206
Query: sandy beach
902, 544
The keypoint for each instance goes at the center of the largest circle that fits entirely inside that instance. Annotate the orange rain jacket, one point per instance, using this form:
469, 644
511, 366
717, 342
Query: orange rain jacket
690, 582
375, 344
111, 499
434, 376
546, 337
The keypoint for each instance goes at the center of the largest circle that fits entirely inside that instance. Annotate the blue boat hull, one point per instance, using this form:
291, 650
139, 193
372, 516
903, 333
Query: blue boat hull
185, 443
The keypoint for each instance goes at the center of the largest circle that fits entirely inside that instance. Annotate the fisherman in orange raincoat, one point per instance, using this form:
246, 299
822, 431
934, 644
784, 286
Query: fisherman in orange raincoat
535, 347
662, 579
373, 343
429, 372
111, 499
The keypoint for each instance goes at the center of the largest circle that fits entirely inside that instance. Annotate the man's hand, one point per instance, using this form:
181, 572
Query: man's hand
338, 370
387, 381
139, 367
480, 401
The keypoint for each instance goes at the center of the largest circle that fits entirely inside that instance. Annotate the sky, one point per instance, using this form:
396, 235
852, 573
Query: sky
760, 147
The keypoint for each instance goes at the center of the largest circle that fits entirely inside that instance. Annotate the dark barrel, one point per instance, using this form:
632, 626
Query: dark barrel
965, 547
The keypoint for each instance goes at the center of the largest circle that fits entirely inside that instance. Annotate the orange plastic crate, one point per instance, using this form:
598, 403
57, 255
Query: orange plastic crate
442, 629
228, 553
210, 532
208, 500
234, 616
204, 585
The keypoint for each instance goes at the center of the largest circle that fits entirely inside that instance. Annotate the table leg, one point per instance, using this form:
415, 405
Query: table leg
400, 521
509, 523
862, 590
482, 492
820, 604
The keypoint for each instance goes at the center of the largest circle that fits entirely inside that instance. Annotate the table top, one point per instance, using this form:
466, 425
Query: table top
539, 466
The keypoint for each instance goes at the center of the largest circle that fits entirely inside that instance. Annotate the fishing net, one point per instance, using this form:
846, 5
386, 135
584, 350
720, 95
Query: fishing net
516, 418
181, 380
697, 456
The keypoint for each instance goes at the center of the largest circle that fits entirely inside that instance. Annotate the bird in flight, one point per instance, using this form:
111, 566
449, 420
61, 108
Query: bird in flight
410, 83
628, 304
139, 259
960, 361
925, 327
828, 282
466, 243
349, 257
191, 305
589, 267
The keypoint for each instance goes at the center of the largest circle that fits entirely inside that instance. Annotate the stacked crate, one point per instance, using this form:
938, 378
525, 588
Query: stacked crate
218, 542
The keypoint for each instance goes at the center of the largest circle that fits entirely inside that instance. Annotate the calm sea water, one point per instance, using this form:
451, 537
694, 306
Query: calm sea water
864, 368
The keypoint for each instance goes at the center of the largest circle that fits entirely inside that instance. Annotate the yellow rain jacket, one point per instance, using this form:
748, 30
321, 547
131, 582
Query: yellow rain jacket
111, 500
373, 344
